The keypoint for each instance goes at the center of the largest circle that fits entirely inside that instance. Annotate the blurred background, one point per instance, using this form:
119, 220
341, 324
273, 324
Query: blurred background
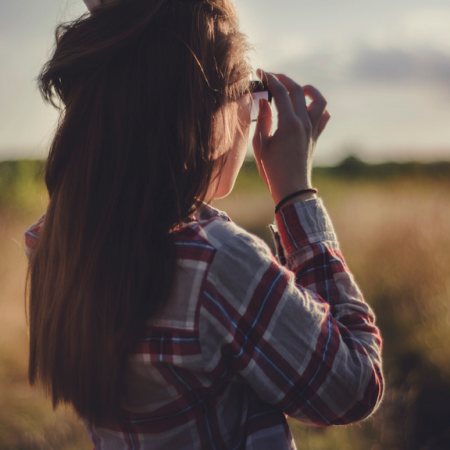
382, 169
383, 65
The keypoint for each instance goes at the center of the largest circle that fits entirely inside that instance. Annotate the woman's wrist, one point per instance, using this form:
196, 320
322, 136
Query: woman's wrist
282, 188
300, 195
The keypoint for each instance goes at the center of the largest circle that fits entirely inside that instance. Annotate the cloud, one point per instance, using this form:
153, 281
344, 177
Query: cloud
394, 66
429, 68
427, 27
322, 68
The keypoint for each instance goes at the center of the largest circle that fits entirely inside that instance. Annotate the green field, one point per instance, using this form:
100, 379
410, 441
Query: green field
393, 223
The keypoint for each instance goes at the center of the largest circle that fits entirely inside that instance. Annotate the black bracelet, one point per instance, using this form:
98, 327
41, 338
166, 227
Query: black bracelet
287, 198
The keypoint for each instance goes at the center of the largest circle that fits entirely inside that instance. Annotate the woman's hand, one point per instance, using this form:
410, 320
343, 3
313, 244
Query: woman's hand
284, 160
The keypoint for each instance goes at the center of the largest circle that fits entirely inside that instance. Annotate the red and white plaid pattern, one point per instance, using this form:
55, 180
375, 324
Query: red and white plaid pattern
244, 340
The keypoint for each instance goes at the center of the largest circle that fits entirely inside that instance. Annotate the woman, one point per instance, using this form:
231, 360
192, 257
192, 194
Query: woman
163, 323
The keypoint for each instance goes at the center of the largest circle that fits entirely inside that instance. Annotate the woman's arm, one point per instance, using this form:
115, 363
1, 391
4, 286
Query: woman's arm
304, 339
301, 335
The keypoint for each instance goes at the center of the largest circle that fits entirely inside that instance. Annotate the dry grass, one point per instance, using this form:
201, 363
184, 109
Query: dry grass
395, 237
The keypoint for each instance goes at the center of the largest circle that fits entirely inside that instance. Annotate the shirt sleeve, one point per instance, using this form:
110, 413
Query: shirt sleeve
32, 236
301, 335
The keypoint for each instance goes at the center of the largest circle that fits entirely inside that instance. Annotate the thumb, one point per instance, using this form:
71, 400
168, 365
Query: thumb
263, 127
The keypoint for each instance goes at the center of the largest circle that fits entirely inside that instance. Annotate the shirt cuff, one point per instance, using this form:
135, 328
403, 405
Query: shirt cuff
300, 224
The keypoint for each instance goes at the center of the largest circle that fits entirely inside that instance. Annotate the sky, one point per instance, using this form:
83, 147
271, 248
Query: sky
383, 66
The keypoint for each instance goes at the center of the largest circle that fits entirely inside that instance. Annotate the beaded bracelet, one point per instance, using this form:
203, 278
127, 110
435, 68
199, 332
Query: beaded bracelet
287, 198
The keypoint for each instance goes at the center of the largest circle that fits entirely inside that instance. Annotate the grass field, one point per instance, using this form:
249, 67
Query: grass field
395, 235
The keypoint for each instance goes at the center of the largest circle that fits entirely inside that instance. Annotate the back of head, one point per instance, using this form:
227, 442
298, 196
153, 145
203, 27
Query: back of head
141, 83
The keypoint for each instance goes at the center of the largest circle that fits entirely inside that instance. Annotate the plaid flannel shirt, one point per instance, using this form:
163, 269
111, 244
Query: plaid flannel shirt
244, 340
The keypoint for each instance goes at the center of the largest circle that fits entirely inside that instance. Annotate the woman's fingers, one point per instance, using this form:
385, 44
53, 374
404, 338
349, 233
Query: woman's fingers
280, 95
262, 133
291, 102
322, 123
317, 107
297, 96
263, 125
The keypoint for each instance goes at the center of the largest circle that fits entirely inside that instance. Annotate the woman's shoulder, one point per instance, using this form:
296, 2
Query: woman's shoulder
209, 229
214, 228
213, 255
233, 259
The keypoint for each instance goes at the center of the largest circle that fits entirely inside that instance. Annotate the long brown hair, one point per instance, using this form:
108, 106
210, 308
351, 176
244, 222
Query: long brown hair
139, 84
